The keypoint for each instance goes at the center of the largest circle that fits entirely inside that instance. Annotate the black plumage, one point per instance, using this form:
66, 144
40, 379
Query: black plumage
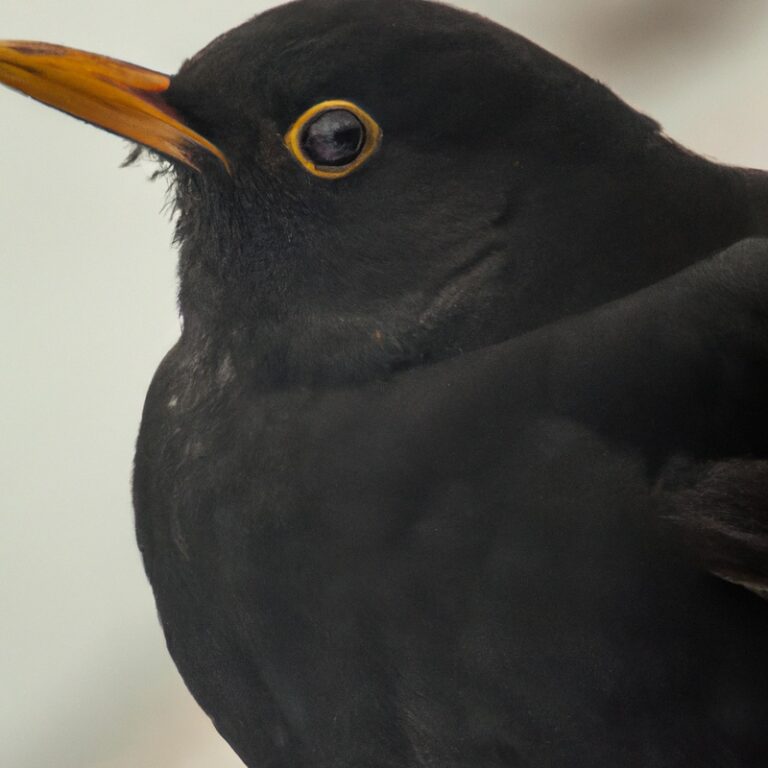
449, 450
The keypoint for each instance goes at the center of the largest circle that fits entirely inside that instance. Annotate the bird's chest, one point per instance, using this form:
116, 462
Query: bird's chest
300, 517
375, 578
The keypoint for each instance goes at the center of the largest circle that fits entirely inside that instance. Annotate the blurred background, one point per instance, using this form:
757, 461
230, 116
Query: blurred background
87, 298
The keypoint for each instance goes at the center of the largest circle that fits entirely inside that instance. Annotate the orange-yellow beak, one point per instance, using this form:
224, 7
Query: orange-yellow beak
119, 97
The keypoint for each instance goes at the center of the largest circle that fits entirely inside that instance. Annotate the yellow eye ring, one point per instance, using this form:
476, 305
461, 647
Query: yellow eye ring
370, 142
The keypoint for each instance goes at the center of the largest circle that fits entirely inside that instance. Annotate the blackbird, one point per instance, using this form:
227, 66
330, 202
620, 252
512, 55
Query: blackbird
460, 459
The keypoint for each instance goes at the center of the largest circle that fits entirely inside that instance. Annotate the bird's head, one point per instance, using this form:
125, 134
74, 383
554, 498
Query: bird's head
366, 184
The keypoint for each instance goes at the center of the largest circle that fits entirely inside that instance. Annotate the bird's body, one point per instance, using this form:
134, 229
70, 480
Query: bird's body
459, 567
467, 409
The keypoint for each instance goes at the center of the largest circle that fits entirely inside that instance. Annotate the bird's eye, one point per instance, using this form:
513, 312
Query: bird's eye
333, 138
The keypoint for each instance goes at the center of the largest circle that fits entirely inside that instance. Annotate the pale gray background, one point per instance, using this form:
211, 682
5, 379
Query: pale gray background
87, 302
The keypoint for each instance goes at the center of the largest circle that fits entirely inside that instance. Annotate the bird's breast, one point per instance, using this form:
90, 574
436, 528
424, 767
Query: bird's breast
385, 572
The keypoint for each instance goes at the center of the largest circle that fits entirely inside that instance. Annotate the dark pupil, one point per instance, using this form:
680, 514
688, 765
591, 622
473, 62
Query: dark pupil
334, 138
